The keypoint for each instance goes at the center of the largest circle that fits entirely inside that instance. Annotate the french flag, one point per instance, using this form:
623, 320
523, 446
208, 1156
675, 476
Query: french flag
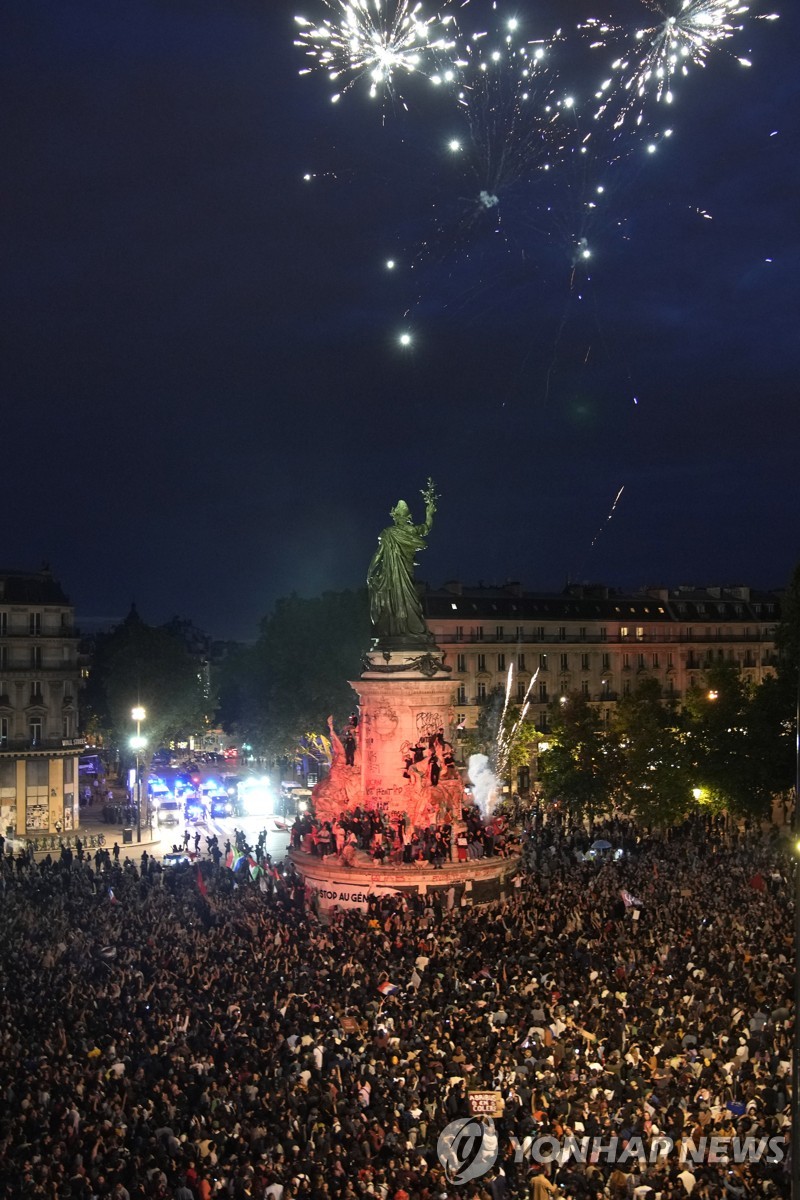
387, 989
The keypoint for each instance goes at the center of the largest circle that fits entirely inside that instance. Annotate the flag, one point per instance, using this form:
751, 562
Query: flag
112, 897
630, 901
229, 859
201, 883
238, 860
387, 989
255, 869
757, 883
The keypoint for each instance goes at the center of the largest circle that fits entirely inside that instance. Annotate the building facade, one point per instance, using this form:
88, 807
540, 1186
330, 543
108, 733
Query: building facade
597, 641
39, 676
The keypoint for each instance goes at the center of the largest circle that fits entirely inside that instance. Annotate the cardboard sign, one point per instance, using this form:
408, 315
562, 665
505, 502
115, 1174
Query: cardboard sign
486, 1104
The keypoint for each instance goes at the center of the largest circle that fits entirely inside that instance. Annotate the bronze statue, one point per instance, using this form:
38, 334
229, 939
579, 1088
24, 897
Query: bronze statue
394, 604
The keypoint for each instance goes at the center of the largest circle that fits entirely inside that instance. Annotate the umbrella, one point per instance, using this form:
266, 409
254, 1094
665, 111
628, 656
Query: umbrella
601, 845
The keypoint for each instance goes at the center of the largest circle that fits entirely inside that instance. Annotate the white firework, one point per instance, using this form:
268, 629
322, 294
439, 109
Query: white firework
373, 39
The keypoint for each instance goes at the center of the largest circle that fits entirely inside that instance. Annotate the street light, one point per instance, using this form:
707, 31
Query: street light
138, 743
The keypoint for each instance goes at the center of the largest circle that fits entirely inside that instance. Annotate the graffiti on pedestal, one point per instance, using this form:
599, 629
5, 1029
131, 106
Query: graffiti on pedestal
429, 723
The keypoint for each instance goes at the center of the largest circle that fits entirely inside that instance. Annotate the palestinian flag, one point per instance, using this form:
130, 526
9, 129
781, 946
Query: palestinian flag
255, 869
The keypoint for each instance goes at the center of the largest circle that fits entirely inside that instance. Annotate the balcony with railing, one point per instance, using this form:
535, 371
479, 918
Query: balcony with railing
660, 637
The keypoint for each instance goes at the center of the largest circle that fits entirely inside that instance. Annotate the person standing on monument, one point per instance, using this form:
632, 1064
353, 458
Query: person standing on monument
394, 605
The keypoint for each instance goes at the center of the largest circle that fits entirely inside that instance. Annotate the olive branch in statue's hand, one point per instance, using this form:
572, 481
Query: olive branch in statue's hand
429, 495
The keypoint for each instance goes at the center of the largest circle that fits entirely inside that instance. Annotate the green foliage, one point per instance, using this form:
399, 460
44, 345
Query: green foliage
139, 664
739, 739
652, 781
579, 768
280, 692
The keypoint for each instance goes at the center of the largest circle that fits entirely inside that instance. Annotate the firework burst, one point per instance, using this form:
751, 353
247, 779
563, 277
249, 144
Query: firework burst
373, 39
663, 53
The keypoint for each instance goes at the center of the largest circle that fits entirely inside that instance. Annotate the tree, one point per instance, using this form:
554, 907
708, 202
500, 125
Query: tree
279, 693
652, 781
139, 664
578, 768
739, 742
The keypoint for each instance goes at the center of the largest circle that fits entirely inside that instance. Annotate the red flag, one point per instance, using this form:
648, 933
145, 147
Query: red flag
201, 883
757, 883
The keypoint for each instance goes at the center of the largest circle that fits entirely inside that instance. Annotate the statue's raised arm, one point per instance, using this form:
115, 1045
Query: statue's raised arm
395, 607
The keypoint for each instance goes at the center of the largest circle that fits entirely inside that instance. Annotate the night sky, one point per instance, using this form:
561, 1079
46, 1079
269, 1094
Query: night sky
205, 403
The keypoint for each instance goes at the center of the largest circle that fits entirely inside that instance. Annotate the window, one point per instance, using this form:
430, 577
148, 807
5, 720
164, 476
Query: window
499, 633
36, 656
603, 633
670, 688
656, 663
542, 662
481, 691
626, 688
584, 662
562, 633
481, 662
605, 688
564, 662
37, 773
501, 662
640, 661
584, 687
461, 694
36, 692
35, 730
66, 728
582, 633
606, 662
4, 733
520, 634
521, 690
623, 631
3, 624
669, 660
626, 662
35, 623
543, 693
3, 656
478, 633
461, 663
540, 633
69, 770
459, 633
640, 633
544, 722
564, 687
520, 662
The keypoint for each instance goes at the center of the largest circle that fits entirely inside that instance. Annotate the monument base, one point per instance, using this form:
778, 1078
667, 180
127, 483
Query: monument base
477, 881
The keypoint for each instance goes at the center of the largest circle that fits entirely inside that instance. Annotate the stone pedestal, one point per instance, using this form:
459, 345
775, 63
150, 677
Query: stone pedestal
398, 712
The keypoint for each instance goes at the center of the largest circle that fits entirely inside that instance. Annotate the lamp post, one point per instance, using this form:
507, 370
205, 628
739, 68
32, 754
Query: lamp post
138, 743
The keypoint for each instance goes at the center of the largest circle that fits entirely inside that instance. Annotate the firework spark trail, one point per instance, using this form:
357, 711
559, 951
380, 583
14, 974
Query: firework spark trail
608, 518
504, 742
376, 38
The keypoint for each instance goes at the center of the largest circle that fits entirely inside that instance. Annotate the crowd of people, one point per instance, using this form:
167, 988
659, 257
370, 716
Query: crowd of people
383, 839
189, 1032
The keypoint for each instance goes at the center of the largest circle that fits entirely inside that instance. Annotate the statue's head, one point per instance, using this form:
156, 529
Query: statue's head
400, 513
